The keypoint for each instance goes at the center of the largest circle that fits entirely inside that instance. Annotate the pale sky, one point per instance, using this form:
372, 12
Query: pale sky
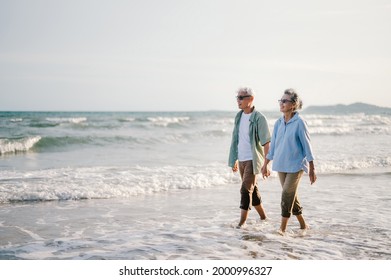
178, 55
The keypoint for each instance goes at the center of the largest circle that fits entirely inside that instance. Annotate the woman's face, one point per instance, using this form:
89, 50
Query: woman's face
286, 105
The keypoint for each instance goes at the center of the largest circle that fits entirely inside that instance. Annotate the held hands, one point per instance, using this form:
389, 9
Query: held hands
235, 167
265, 171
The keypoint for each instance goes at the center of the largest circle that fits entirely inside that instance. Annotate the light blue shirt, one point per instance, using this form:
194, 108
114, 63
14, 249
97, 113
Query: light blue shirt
290, 148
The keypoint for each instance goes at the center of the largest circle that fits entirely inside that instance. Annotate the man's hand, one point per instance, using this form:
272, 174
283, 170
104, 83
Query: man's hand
312, 176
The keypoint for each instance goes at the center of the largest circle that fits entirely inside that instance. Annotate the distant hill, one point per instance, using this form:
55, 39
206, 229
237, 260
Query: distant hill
347, 109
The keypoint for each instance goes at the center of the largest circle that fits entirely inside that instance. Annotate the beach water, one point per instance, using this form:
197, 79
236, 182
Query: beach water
156, 185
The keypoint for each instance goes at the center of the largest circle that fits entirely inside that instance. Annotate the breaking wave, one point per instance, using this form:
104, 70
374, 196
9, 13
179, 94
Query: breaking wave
17, 145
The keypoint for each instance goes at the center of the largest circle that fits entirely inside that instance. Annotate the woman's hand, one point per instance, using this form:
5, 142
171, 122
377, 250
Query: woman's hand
312, 173
312, 176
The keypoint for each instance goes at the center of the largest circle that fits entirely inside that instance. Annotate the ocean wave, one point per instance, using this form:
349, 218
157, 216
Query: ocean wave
42, 144
129, 119
150, 122
16, 145
207, 134
107, 182
16, 120
73, 120
56, 121
42, 124
166, 121
50, 143
353, 165
346, 129
349, 124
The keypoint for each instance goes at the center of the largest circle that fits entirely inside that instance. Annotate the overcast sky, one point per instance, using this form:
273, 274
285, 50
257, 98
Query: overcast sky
148, 55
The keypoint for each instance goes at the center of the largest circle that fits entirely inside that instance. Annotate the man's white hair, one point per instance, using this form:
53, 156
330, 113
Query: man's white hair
246, 90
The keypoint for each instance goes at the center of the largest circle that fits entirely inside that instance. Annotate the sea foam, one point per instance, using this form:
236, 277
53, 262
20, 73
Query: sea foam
108, 182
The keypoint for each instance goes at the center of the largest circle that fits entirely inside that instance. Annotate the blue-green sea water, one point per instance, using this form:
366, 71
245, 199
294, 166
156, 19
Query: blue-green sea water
156, 185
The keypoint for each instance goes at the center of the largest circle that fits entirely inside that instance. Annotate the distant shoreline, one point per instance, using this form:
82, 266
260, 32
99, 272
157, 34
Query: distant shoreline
348, 109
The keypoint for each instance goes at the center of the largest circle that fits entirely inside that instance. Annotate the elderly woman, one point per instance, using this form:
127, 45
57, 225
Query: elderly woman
291, 153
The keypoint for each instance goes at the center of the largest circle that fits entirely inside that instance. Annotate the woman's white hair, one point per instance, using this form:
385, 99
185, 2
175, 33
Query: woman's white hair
295, 98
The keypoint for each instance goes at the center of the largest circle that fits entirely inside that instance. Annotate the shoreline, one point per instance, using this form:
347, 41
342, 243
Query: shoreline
200, 224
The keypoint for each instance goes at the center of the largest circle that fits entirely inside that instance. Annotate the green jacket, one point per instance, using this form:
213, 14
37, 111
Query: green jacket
259, 136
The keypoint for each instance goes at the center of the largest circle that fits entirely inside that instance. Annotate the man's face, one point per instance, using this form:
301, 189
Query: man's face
244, 100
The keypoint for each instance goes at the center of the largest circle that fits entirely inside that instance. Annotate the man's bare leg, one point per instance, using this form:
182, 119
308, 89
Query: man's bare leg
284, 223
243, 217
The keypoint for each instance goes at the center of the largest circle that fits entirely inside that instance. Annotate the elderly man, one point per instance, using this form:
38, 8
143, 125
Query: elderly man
250, 144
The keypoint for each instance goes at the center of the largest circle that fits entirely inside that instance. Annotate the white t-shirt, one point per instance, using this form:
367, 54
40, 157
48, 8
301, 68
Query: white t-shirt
244, 145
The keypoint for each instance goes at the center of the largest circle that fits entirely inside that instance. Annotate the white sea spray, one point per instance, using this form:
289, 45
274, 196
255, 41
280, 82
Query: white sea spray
15, 145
